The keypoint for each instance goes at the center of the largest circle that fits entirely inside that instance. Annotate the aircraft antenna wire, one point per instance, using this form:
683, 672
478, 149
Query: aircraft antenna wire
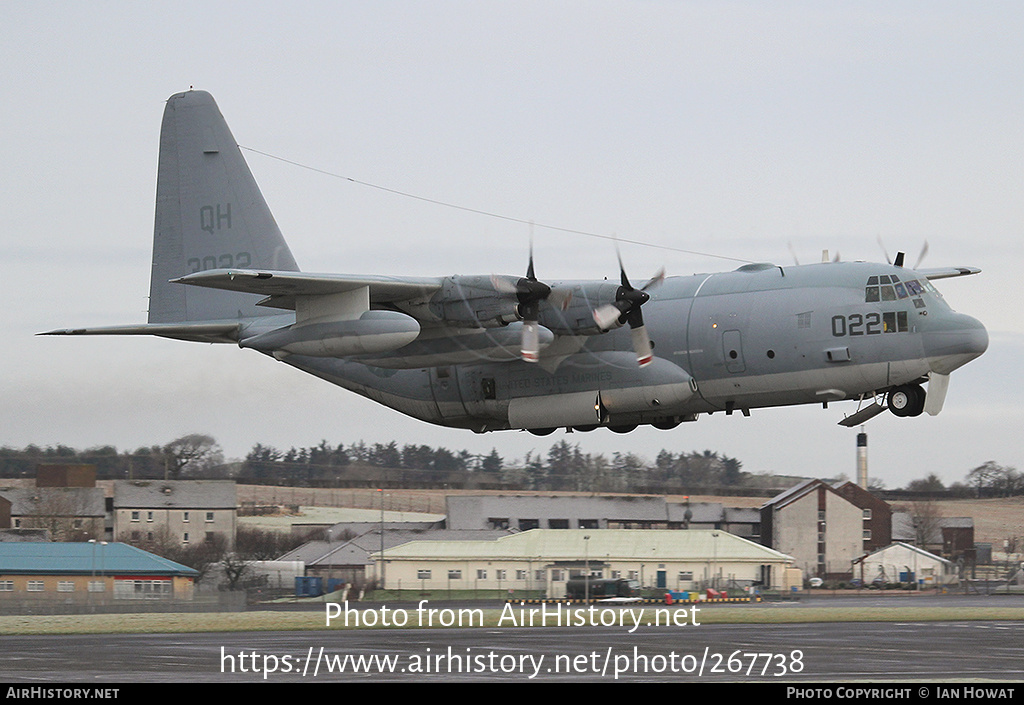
489, 214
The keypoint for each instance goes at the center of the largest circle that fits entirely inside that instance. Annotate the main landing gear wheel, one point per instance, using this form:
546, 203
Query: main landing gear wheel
906, 400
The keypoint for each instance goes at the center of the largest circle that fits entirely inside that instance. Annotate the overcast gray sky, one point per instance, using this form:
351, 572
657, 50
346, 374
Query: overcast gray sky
732, 128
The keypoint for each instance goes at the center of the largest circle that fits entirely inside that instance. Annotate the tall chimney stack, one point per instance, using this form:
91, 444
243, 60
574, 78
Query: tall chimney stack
862, 459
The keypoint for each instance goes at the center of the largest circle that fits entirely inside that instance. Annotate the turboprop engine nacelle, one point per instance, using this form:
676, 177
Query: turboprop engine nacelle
372, 332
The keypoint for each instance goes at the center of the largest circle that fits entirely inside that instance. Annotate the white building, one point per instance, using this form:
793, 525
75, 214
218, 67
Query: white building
901, 562
544, 559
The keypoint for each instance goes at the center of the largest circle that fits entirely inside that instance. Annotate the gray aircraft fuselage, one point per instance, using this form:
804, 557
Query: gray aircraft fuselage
760, 336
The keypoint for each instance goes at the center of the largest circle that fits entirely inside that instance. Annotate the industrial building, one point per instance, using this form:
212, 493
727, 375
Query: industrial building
544, 559
525, 512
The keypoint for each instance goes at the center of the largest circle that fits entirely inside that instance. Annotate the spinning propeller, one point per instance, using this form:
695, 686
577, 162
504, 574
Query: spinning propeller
627, 309
899, 255
530, 292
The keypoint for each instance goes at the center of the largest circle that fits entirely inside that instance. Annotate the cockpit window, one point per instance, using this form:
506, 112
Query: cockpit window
888, 287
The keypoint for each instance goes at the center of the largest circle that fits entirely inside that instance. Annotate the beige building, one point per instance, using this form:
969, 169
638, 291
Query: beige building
822, 530
544, 559
89, 572
187, 511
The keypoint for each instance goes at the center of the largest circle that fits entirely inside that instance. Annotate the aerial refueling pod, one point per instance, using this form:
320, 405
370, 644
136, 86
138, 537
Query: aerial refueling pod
372, 332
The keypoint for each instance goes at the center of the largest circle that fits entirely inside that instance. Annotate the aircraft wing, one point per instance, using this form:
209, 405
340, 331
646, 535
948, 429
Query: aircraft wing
281, 288
197, 332
947, 272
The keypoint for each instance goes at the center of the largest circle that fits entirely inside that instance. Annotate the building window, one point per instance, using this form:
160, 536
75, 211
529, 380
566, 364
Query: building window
149, 517
557, 575
35, 586
77, 524
65, 586
135, 516
17, 523
481, 575
867, 514
97, 586
821, 515
500, 574
867, 534
538, 575
616, 574
136, 535
455, 575
184, 517
634, 575
142, 589
184, 538
6, 586
528, 524
497, 523
209, 516
210, 536
685, 576
558, 523
589, 524
521, 575
423, 574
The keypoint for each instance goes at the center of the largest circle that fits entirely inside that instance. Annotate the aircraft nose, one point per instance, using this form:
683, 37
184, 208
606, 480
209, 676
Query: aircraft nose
954, 342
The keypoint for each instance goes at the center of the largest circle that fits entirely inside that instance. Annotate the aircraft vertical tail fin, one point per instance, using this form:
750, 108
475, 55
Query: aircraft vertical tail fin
210, 214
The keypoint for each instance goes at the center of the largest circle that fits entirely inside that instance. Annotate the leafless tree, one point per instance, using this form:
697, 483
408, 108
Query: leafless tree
191, 454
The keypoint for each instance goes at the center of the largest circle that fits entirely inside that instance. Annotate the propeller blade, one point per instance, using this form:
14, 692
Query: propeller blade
656, 280
884, 251
642, 346
530, 348
503, 285
560, 298
606, 316
920, 257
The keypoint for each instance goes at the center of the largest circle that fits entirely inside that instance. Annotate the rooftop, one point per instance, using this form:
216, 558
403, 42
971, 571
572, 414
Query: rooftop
85, 559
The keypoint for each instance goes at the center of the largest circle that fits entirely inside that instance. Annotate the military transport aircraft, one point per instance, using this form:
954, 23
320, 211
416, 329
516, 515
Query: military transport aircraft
493, 352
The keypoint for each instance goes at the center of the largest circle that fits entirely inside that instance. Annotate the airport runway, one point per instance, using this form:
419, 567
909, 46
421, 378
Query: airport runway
788, 653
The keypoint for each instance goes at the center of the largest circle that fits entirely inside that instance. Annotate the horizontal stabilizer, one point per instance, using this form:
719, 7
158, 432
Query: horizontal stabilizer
283, 287
198, 332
